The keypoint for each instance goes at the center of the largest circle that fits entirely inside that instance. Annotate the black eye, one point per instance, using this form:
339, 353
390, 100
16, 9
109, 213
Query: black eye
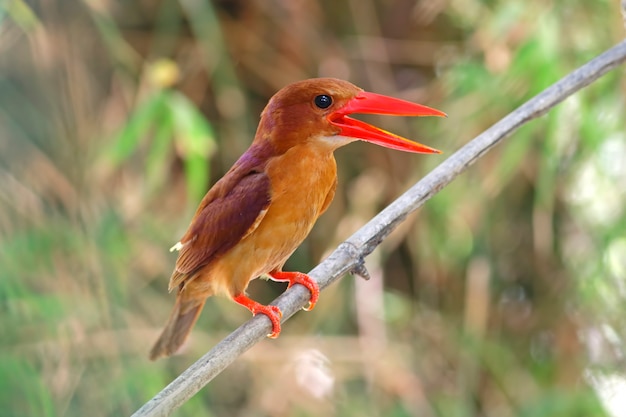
323, 101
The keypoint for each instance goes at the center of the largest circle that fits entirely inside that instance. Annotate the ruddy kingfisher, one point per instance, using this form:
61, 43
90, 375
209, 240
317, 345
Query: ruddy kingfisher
256, 215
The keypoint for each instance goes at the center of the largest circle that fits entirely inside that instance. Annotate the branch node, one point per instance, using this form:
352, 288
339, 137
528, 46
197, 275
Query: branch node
360, 270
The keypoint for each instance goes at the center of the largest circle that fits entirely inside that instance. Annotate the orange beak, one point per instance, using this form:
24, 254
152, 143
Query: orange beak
370, 103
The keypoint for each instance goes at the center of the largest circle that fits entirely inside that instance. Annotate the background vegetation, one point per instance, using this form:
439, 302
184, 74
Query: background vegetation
504, 296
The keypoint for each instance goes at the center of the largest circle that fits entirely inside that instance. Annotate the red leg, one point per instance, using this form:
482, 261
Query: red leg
272, 312
302, 279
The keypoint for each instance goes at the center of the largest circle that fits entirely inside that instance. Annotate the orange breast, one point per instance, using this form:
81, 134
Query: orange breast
303, 184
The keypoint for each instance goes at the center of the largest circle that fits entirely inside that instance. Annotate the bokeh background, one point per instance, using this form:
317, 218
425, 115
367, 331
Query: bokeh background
504, 296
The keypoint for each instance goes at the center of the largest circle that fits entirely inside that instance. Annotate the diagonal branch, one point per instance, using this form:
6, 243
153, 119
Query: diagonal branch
349, 254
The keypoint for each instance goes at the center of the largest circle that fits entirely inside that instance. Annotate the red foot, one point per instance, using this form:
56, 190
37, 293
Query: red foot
302, 279
272, 312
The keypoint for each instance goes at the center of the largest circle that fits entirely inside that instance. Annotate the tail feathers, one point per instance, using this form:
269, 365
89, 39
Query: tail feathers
178, 327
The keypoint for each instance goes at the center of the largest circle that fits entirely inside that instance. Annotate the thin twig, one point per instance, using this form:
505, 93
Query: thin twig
350, 253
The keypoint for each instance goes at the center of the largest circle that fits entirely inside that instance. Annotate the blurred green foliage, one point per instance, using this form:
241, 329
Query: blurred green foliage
504, 296
168, 118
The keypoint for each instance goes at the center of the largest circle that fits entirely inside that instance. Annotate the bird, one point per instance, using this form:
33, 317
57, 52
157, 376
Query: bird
253, 218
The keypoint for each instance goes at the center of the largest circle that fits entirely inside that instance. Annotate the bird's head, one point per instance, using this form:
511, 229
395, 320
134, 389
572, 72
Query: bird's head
317, 110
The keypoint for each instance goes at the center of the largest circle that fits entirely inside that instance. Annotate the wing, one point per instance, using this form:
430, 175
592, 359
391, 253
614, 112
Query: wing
230, 211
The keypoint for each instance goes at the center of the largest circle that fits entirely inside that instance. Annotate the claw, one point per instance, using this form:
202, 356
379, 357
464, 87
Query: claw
302, 279
272, 312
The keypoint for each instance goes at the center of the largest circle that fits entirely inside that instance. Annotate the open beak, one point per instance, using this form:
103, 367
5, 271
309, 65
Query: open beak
370, 103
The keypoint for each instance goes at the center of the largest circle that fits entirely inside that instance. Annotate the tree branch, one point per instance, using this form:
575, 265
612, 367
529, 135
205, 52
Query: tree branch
349, 255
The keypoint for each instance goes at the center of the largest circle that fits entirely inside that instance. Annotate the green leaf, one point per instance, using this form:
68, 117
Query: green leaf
145, 116
197, 174
21, 13
193, 133
159, 153
195, 141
